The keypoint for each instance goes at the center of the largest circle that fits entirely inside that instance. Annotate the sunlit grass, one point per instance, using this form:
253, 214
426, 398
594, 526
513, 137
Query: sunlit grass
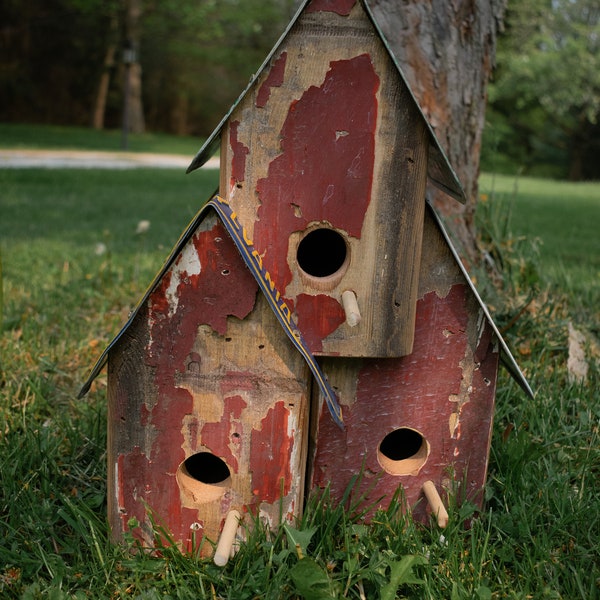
564, 217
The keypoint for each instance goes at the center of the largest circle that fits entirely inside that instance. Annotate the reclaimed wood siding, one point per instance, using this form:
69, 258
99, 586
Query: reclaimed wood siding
444, 391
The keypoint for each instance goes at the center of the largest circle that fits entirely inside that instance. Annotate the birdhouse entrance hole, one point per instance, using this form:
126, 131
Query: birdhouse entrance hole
206, 468
203, 477
403, 451
322, 252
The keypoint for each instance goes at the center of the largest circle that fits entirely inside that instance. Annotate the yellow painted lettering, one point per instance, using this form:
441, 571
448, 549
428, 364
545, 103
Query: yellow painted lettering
246, 238
258, 258
269, 280
283, 307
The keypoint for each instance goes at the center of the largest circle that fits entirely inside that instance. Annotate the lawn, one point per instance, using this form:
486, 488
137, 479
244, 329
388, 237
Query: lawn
54, 137
73, 266
564, 217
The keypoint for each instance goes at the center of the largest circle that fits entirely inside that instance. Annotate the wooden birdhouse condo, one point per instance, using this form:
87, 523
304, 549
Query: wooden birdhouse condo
318, 283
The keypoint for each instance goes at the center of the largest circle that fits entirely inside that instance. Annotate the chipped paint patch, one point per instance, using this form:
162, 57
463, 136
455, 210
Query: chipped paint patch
222, 437
188, 263
274, 79
317, 317
467, 366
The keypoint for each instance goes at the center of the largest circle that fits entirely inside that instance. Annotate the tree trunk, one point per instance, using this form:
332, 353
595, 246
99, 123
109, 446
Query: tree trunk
133, 13
104, 84
446, 50
179, 113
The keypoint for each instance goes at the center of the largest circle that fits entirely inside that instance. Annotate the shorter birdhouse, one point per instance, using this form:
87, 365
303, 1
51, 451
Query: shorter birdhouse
422, 421
319, 279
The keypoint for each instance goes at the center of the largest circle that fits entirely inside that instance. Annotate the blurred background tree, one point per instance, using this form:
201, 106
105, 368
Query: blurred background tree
61, 62
544, 103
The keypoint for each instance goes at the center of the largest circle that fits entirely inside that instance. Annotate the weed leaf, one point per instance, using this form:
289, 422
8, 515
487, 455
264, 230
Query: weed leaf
402, 573
484, 593
299, 539
311, 581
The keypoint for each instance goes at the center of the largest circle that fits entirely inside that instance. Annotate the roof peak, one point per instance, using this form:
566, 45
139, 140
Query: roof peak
439, 169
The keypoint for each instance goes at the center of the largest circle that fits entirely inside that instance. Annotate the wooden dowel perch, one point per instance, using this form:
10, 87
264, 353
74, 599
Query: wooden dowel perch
351, 309
223, 551
436, 504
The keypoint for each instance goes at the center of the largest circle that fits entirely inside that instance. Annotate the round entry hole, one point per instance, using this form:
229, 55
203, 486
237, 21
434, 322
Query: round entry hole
321, 252
206, 468
403, 451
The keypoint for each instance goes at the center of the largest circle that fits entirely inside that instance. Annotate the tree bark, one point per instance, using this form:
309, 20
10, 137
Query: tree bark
446, 50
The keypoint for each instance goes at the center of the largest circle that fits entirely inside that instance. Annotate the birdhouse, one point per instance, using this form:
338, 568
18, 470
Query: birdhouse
318, 280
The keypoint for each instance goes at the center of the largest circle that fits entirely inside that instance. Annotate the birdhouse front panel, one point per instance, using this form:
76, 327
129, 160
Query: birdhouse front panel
208, 401
422, 417
325, 162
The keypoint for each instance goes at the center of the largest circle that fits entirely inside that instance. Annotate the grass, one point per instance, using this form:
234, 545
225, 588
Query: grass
73, 266
50, 137
564, 218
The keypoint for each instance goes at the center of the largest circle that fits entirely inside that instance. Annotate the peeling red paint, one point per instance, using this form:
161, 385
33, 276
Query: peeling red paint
271, 456
341, 7
218, 436
274, 79
325, 169
317, 317
413, 391
240, 151
224, 287
159, 300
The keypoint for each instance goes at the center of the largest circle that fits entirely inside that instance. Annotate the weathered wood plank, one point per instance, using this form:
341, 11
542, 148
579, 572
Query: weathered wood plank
422, 417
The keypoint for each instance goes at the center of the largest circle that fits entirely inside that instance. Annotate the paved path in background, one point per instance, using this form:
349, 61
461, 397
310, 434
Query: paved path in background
75, 159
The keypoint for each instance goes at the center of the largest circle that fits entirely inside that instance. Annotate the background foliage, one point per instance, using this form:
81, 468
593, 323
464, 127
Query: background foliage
544, 103
197, 55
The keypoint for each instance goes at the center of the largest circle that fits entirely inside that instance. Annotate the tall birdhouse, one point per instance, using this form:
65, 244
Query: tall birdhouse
318, 283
